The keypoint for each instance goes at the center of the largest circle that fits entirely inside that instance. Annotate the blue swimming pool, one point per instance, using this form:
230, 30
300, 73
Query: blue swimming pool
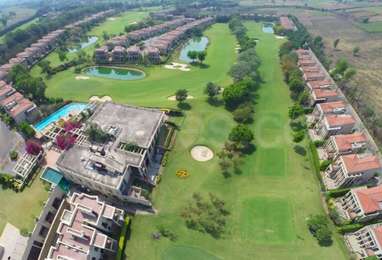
62, 112
52, 176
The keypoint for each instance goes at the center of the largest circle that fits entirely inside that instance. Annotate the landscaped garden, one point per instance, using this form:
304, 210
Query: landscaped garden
268, 202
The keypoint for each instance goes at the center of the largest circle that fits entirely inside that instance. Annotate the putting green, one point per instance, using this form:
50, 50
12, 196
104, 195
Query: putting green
187, 253
267, 221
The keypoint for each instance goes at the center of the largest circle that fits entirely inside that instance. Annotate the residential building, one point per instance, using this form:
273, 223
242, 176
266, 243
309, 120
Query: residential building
82, 229
133, 54
102, 55
118, 54
153, 55
112, 168
366, 242
5, 91
352, 169
334, 124
287, 23
319, 95
335, 107
361, 203
19, 108
345, 144
320, 84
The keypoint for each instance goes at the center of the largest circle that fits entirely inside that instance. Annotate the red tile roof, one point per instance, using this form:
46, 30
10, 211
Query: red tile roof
370, 199
314, 75
378, 234
356, 164
345, 142
324, 93
5, 90
339, 120
22, 106
15, 97
287, 23
311, 69
313, 84
330, 107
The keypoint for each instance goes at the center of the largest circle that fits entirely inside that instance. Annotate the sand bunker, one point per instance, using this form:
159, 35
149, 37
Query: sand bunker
100, 99
112, 18
82, 78
280, 37
201, 153
177, 66
173, 98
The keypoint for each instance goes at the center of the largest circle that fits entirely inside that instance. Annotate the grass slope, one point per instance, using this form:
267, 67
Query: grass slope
21, 209
268, 208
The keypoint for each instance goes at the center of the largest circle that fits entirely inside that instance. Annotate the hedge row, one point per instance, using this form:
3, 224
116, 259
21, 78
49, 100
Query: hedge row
122, 239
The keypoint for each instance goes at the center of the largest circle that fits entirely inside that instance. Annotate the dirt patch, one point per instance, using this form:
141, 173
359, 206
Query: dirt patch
100, 99
202, 153
173, 98
177, 66
82, 78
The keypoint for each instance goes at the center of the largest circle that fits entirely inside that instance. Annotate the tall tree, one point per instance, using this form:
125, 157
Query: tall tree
335, 43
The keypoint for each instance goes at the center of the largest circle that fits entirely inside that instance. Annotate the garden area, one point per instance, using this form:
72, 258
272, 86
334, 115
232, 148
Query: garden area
266, 212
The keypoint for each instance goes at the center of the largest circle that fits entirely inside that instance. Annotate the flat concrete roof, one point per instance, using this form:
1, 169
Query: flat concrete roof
138, 125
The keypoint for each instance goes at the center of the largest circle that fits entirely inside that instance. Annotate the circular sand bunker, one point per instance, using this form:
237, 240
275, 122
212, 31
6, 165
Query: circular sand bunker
201, 153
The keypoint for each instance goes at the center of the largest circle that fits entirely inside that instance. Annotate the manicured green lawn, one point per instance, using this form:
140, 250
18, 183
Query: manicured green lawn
21, 209
268, 201
159, 83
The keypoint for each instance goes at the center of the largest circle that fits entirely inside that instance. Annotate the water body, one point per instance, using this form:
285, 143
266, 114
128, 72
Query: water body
195, 44
268, 28
82, 45
61, 113
115, 73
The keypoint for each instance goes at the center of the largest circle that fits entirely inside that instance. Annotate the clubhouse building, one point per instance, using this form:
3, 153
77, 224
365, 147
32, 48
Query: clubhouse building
111, 168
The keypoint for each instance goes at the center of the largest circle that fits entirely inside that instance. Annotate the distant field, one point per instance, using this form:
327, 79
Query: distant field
21, 27
371, 27
21, 14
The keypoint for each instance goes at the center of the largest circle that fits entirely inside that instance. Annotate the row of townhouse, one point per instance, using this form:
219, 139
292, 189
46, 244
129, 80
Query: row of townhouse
115, 47
154, 47
16, 106
76, 226
354, 156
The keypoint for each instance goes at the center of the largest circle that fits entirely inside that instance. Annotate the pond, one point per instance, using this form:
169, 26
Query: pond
268, 27
82, 45
195, 44
115, 73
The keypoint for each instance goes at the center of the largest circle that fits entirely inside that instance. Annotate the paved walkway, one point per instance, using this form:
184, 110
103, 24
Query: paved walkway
13, 243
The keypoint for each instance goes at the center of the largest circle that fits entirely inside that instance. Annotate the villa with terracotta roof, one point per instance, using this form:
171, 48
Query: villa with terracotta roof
313, 76
361, 203
335, 107
287, 23
345, 144
352, 169
323, 95
152, 54
366, 242
133, 54
82, 229
118, 54
334, 124
320, 84
102, 55
18, 107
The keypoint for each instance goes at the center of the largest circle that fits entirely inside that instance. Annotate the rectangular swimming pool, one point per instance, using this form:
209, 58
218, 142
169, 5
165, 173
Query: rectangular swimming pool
61, 113
52, 176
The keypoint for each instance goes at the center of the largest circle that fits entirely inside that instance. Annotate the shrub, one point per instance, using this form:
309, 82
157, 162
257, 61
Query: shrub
26, 130
349, 228
297, 125
65, 141
167, 233
319, 227
13, 155
325, 164
298, 136
33, 147
122, 239
295, 111
319, 143
244, 113
241, 135
337, 193
97, 135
